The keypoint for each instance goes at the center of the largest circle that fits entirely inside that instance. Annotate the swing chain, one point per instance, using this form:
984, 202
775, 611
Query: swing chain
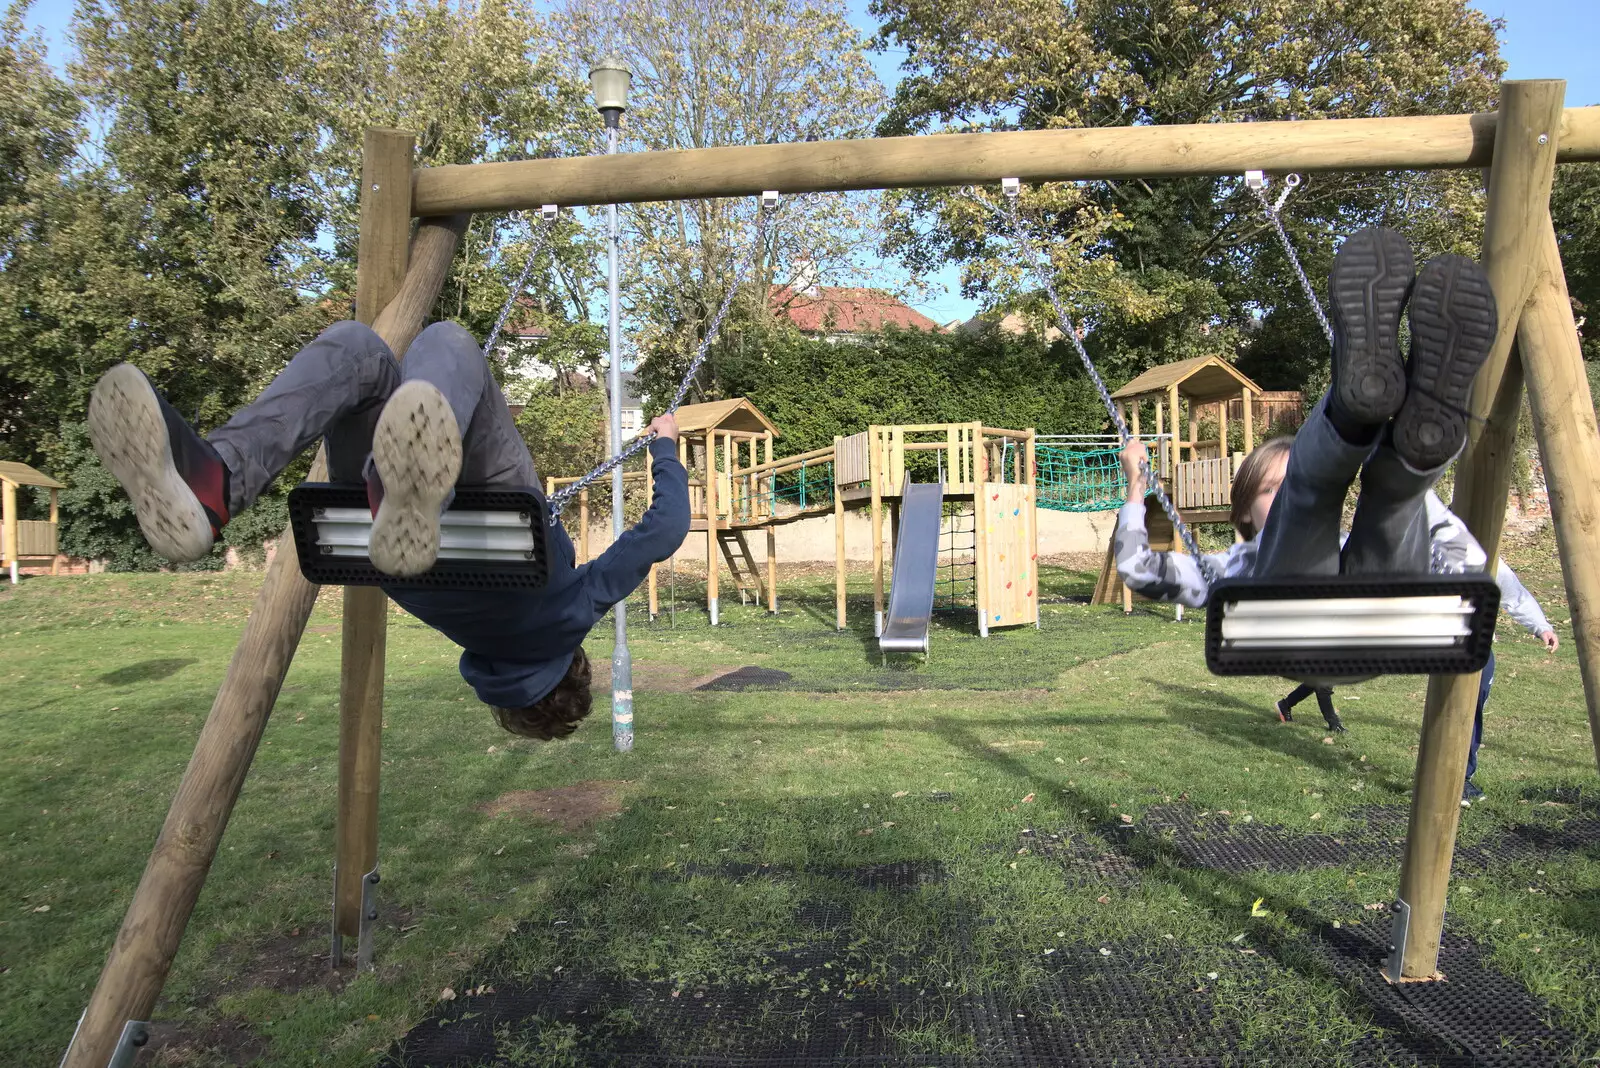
541, 237
1256, 182
1012, 188
558, 500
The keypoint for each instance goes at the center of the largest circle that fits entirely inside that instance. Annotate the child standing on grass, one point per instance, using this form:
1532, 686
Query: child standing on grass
1394, 422
411, 432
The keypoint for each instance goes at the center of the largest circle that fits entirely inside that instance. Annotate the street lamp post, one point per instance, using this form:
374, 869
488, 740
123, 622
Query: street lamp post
609, 83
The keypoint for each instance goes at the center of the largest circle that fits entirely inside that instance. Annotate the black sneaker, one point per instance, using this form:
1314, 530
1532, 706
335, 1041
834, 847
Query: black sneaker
1368, 287
1335, 724
1284, 715
176, 480
1453, 326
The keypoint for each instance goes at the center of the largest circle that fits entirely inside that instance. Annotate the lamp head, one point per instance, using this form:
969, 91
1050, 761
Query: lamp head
608, 82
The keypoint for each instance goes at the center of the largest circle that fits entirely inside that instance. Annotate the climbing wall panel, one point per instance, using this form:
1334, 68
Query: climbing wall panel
1009, 571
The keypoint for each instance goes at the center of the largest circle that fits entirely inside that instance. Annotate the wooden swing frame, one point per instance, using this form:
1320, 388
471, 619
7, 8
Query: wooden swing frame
400, 273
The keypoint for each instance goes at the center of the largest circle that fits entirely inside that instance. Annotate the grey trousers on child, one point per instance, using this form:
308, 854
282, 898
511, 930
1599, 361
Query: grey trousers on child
1389, 535
335, 388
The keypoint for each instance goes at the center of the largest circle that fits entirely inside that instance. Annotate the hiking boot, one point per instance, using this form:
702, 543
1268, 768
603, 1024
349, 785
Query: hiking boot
416, 451
1453, 326
1368, 286
176, 480
1284, 715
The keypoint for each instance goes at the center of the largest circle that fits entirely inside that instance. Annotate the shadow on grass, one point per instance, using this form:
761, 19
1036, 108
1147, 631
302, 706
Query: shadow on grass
145, 671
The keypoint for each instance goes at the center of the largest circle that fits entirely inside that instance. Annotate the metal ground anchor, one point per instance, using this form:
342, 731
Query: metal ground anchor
1401, 932
367, 924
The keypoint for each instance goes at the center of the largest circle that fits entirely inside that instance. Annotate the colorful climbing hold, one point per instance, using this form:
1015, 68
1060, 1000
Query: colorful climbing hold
1008, 585
1016, 511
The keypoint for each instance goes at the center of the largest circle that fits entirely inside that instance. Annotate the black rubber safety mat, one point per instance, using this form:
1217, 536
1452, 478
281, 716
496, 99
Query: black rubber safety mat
748, 678
1220, 842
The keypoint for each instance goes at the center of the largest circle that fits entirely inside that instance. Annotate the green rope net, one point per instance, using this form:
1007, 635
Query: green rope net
1080, 480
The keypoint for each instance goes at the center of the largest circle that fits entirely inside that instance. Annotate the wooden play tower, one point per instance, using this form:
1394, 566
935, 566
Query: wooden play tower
401, 269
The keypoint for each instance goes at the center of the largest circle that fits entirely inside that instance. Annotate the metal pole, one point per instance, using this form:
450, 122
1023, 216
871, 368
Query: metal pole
621, 661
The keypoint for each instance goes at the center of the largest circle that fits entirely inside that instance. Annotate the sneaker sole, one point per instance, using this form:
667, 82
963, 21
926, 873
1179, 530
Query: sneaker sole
1371, 278
1453, 327
416, 447
130, 437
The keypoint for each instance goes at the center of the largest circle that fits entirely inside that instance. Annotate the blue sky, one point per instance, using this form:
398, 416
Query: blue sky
1542, 39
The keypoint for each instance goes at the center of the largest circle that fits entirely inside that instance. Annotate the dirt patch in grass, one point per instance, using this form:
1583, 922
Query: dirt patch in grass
175, 1044
286, 961
572, 808
657, 677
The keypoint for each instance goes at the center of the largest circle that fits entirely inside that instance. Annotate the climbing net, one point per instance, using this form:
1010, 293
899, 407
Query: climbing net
1078, 479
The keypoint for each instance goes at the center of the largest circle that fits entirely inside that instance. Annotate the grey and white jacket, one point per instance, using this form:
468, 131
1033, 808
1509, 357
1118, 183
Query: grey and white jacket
1177, 576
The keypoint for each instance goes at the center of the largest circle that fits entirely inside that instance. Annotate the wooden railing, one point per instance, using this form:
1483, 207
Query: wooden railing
1204, 483
35, 537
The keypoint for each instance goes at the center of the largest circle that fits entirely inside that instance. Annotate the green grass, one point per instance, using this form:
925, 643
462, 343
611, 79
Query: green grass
1095, 717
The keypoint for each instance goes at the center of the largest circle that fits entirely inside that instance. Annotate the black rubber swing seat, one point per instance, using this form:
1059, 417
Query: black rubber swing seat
488, 539
1351, 626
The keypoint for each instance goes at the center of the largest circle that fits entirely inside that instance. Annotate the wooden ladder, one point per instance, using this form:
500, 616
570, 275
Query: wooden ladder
736, 551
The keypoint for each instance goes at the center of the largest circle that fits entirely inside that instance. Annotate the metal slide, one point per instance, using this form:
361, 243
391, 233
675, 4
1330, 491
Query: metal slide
916, 566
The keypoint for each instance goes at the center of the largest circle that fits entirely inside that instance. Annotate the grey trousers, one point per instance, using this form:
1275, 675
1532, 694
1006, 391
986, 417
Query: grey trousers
335, 388
1389, 534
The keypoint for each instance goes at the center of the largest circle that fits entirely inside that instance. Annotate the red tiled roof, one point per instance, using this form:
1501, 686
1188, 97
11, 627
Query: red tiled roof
846, 310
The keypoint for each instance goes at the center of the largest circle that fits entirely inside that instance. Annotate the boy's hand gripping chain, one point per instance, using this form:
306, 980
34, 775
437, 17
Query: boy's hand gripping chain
769, 203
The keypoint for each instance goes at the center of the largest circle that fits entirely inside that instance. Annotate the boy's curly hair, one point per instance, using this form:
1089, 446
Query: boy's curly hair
559, 712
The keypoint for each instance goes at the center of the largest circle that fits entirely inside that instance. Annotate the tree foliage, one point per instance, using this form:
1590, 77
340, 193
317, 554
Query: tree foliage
732, 72
1182, 267
1575, 209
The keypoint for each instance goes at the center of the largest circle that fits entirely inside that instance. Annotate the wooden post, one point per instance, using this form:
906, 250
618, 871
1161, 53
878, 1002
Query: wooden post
1135, 406
772, 528
583, 526
1569, 444
8, 516
137, 966
1176, 455
712, 507
980, 475
1032, 474
55, 525
839, 562
380, 269
1249, 417
1084, 154
1514, 225
1222, 429
876, 473
1161, 446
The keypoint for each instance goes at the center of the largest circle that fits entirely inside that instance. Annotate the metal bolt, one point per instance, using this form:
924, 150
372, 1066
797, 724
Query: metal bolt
373, 878
1544, 139
374, 187
372, 915
140, 1037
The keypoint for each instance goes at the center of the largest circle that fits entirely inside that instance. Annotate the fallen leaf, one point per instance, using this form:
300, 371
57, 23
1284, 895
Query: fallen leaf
1316, 815
1104, 952
1028, 800
447, 994
1104, 899
1257, 911
372, 1017
1126, 818
494, 748
42, 908
899, 793
1328, 740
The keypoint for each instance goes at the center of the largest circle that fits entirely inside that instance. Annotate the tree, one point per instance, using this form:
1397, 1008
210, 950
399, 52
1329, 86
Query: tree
734, 72
1575, 209
1180, 267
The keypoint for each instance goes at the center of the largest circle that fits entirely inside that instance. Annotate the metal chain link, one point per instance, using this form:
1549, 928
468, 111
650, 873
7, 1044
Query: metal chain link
540, 239
1305, 283
558, 500
1067, 325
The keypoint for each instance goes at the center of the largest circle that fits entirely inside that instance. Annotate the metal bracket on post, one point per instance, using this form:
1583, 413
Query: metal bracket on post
1397, 947
135, 1036
549, 211
369, 920
1255, 179
1011, 187
769, 199
335, 939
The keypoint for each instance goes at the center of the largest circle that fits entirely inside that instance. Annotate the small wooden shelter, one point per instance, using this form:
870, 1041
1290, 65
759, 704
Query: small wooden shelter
27, 539
1203, 479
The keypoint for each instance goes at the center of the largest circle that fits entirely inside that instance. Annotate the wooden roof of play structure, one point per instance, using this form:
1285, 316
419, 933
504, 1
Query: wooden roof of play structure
1203, 379
23, 475
735, 413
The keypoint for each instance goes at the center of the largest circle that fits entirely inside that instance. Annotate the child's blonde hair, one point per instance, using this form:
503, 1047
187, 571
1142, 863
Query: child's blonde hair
1247, 482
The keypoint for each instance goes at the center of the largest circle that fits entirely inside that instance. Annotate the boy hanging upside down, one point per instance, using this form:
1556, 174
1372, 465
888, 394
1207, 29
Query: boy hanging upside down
412, 433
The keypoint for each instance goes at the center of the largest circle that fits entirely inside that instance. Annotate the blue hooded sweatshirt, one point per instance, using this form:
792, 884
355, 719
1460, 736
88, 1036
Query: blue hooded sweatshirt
519, 643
